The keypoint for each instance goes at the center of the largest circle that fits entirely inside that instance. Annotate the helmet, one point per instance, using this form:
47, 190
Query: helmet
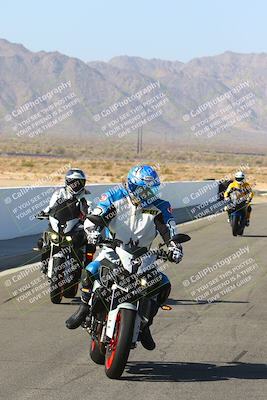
75, 180
143, 182
240, 176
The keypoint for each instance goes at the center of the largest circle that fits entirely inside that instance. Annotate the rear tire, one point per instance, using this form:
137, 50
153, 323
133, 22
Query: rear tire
96, 353
97, 348
118, 350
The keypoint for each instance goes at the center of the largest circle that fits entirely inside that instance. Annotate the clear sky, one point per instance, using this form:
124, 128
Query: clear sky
167, 29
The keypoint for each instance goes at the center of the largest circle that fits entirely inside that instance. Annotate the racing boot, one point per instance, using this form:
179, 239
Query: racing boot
150, 310
147, 339
75, 320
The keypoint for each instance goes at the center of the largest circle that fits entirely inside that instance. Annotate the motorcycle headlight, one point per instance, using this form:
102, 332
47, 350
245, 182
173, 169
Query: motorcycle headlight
143, 282
54, 237
68, 238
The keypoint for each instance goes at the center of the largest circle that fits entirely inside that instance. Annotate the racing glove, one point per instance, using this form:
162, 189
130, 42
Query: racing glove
175, 252
41, 214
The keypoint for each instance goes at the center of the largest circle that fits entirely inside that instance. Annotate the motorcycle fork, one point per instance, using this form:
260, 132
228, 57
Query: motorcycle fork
97, 327
50, 262
68, 264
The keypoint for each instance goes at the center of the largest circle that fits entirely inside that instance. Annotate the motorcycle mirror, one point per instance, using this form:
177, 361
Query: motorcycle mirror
180, 238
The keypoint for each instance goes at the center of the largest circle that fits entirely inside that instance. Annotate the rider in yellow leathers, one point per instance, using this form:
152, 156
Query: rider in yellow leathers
245, 191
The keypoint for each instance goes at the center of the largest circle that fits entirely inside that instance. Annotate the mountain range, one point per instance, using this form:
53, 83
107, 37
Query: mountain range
188, 88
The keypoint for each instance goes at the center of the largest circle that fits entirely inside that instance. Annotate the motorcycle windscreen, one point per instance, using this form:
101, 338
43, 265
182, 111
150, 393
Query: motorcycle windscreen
68, 226
66, 211
66, 214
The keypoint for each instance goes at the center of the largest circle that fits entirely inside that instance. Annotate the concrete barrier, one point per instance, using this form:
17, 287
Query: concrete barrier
18, 206
20, 230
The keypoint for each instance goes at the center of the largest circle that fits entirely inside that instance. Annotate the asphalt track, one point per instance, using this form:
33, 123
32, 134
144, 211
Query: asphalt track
205, 350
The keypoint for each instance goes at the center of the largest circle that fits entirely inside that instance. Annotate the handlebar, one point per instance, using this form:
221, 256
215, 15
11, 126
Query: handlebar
46, 216
160, 253
112, 242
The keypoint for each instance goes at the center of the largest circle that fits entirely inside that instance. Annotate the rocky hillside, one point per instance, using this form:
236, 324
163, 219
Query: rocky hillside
195, 94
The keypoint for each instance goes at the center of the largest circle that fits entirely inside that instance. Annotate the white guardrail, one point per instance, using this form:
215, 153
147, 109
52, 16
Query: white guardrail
19, 205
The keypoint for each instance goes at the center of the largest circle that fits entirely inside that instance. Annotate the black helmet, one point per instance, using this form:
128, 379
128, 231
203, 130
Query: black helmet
75, 180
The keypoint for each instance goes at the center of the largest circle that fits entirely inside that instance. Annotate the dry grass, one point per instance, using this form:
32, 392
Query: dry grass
23, 171
106, 161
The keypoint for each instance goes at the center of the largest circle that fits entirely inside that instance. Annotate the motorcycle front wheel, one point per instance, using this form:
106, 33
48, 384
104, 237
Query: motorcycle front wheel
71, 288
234, 224
118, 349
242, 224
56, 290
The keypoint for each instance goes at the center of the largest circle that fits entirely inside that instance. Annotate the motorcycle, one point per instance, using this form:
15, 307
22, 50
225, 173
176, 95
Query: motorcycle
62, 250
238, 213
121, 303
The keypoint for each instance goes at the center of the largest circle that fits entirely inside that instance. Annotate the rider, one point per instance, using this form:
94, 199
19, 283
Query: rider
245, 190
73, 195
134, 214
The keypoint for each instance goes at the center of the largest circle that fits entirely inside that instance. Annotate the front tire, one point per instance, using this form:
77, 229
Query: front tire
242, 225
55, 293
118, 350
71, 289
56, 290
234, 223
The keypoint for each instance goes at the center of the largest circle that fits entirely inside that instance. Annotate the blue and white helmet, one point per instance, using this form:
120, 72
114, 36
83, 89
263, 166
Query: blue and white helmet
143, 182
75, 180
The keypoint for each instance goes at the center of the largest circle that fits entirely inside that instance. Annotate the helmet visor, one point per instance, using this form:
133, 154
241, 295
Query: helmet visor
75, 185
240, 179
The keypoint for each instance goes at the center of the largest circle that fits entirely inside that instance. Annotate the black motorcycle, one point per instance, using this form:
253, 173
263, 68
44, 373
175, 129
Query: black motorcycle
238, 213
64, 250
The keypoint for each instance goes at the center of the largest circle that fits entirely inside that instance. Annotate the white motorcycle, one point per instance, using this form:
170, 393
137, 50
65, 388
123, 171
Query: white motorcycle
121, 303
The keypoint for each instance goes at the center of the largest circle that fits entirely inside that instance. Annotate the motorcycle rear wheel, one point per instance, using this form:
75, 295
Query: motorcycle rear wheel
96, 352
97, 348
